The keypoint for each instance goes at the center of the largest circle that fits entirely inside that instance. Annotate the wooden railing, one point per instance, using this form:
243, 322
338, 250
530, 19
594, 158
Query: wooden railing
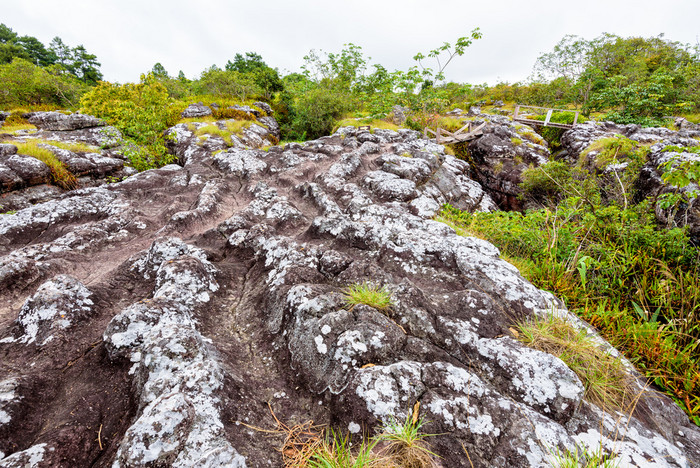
466, 133
547, 121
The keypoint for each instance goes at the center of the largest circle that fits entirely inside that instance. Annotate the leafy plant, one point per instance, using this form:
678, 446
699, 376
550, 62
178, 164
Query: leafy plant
407, 446
582, 457
368, 294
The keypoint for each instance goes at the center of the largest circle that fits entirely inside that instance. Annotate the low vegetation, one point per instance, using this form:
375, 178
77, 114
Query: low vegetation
604, 377
59, 174
369, 294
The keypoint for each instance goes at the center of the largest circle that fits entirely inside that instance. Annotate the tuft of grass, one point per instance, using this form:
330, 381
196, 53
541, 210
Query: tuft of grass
604, 377
407, 446
368, 294
59, 174
516, 141
582, 457
336, 452
189, 120
74, 147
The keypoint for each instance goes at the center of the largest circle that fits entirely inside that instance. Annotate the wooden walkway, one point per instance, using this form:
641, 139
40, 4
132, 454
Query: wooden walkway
466, 133
546, 122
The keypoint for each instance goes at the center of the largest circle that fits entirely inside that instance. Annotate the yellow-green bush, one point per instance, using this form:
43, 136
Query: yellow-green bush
142, 112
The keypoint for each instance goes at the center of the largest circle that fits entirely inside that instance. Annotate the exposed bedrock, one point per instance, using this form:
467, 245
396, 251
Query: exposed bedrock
159, 321
501, 155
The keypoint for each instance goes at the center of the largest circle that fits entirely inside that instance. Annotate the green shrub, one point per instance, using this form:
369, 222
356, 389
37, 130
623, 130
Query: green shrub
142, 112
24, 83
316, 112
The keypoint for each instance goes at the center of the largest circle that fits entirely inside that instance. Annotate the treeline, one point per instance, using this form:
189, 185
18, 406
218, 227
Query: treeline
32, 73
626, 80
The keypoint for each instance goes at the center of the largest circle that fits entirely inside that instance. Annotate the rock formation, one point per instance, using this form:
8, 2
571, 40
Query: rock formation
160, 320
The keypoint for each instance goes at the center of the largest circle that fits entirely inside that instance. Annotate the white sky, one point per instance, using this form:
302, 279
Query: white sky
130, 36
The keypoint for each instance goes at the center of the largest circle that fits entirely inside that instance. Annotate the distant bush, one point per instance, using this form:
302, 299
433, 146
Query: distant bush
142, 112
24, 83
316, 112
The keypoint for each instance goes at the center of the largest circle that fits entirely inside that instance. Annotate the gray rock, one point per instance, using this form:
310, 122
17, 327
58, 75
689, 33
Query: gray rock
57, 305
265, 108
202, 338
501, 155
398, 115
57, 121
196, 110
29, 169
3, 116
7, 149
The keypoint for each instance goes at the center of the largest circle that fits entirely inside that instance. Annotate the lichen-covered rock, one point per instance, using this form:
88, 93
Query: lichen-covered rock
196, 110
57, 305
7, 150
218, 292
30, 170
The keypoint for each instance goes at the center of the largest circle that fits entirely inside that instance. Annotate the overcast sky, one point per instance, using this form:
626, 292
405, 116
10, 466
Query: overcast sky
130, 36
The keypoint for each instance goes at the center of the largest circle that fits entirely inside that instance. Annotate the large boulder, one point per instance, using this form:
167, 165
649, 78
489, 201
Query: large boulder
197, 305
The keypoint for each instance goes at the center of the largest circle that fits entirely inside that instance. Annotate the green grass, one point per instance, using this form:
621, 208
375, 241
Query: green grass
398, 445
582, 457
368, 294
373, 123
59, 174
13, 128
604, 377
74, 147
232, 127
637, 284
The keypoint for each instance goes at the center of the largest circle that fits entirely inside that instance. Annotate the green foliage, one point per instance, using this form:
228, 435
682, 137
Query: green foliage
369, 294
26, 84
337, 452
142, 112
639, 80
601, 260
447, 52
315, 113
679, 174
229, 84
582, 457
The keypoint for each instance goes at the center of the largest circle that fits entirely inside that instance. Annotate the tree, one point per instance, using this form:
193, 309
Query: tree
247, 64
447, 52
63, 53
85, 65
336, 71
6, 34
37, 53
159, 71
